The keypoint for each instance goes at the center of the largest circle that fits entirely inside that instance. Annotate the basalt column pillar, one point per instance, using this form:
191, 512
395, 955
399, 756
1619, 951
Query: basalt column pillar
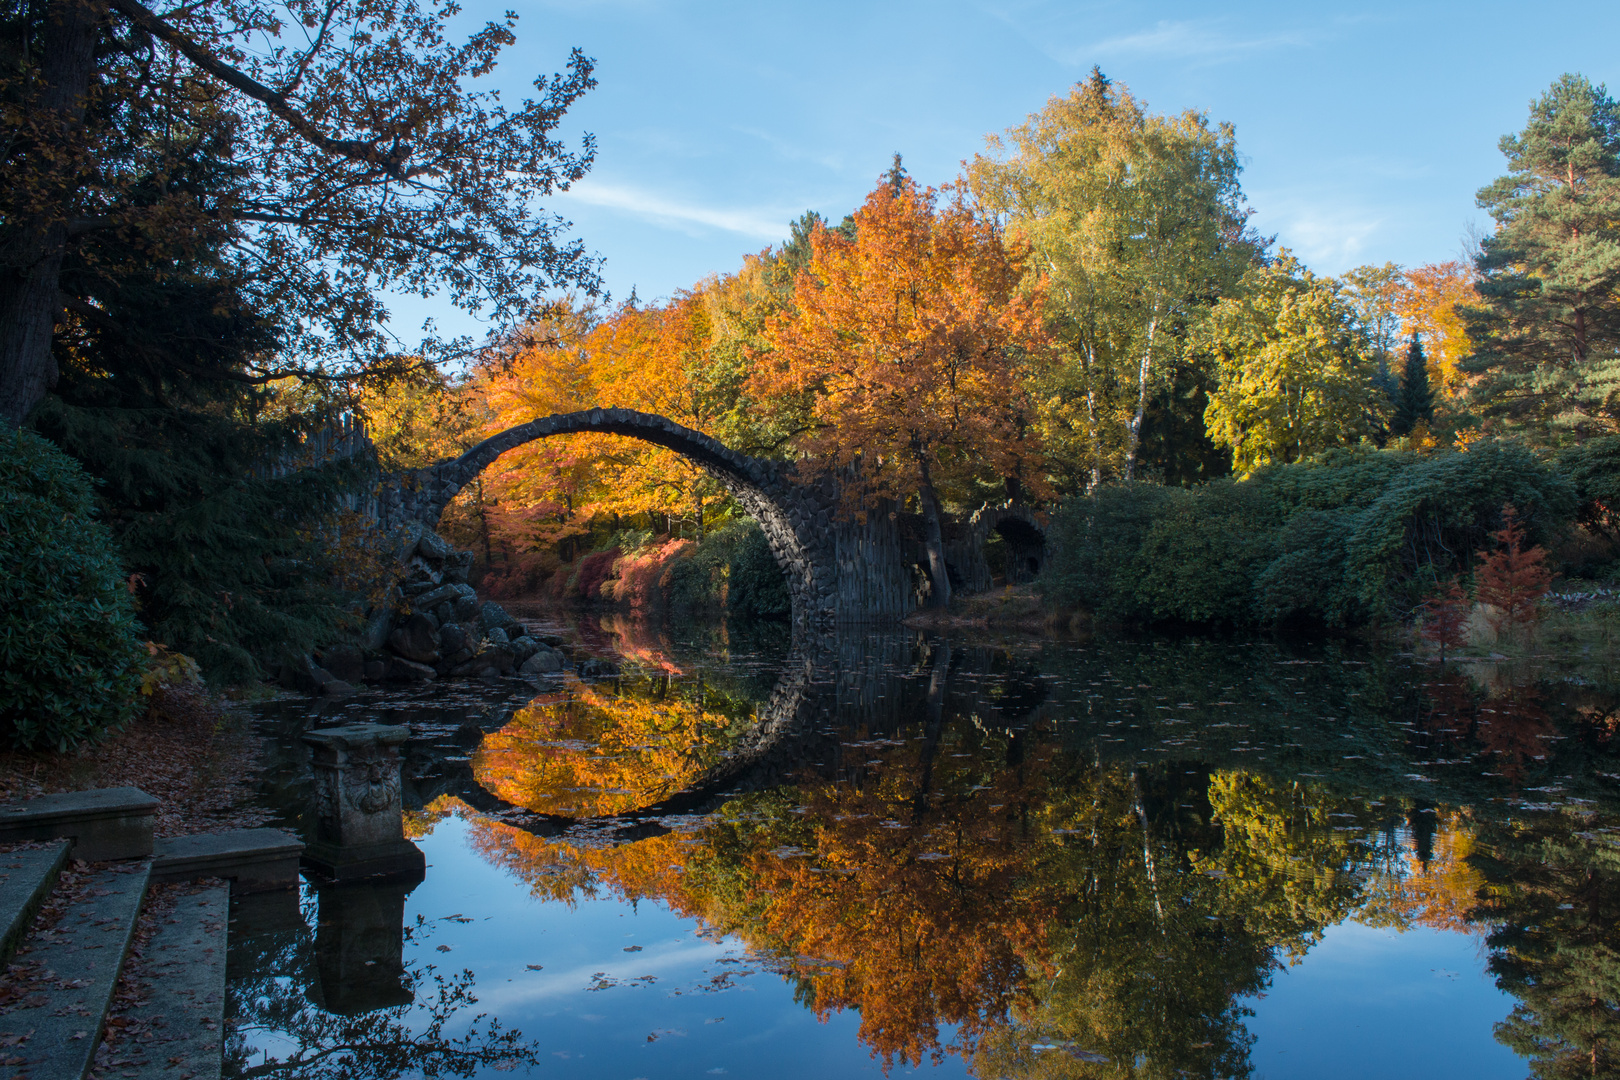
359, 830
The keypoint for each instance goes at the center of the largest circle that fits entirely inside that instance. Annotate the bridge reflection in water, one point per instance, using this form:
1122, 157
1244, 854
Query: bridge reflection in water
1080, 858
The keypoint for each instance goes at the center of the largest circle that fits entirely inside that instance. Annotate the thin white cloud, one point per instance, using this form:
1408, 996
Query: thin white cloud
789, 151
1330, 238
1202, 40
764, 224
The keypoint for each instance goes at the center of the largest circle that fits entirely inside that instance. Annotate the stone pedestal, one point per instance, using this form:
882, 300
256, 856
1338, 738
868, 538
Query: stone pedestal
359, 830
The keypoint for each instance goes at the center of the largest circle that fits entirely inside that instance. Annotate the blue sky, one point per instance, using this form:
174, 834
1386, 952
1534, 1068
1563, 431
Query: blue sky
1365, 129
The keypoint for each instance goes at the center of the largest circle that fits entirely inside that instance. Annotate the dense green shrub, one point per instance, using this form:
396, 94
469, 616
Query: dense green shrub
1094, 541
1343, 538
71, 654
732, 569
1593, 468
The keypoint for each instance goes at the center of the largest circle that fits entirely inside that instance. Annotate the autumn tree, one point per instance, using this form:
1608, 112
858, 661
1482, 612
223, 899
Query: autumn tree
907, 344
1445, 617
1294, 374
352, 154
1136, 223
1512, 579
1433, 303
687, 359
1374, 292
1548, 333
589, 752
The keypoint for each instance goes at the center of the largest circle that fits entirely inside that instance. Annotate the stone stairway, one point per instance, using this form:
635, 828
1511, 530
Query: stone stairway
80, 870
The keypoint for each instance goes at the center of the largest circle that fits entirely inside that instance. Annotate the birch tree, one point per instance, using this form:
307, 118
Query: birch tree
1137, 222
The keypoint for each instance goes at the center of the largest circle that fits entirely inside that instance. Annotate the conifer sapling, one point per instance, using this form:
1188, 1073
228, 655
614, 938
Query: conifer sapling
1511, 580
1445, 617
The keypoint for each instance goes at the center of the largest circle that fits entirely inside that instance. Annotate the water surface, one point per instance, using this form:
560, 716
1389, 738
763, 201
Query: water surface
890, 852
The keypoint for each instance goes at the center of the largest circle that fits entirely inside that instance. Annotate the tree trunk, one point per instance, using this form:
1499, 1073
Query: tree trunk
933, 541
31, 255
1134, 436
1091, 419
933, 726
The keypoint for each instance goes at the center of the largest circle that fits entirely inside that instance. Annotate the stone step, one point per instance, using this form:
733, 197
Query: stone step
72, 970
185, 965
26, 878
105, 823
252, 860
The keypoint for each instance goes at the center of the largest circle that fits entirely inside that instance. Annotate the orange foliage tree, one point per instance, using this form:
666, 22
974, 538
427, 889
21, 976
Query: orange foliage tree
906, 344
589, 752
687, 359
1430, 304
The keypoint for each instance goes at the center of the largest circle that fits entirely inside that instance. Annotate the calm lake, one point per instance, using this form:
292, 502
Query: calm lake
714, 853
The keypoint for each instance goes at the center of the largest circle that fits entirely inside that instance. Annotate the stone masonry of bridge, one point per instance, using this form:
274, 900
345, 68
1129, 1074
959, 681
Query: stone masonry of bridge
837, 569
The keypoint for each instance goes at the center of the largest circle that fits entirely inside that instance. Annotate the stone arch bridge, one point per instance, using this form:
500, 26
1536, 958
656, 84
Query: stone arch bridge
837, 569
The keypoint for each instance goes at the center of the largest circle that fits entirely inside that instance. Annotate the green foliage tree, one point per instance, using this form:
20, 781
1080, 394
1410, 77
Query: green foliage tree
1295, 377
1137, 222
1548, 330
71, 655
1414, 404
733, 570
1554, 906
1593, 467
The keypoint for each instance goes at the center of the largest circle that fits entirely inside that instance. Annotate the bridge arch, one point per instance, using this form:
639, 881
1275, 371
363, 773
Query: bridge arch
795, 517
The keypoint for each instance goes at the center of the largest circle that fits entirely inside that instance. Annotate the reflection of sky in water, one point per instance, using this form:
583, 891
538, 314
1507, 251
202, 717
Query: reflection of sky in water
1375, 1002
581, 1032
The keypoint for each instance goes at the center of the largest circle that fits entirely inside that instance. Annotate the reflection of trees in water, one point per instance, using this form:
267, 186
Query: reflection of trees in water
293, 1015
944, 842
1552, 898
592, 751
994, 883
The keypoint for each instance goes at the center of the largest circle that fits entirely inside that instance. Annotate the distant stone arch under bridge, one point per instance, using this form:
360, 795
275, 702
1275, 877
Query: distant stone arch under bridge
836, 569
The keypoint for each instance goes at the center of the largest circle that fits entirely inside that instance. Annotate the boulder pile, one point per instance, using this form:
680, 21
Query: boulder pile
431, 626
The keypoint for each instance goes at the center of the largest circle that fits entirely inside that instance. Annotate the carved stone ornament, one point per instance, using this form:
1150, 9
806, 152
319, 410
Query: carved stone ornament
371, 781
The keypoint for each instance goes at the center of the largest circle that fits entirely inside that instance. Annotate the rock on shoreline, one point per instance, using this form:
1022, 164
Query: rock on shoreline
432, 626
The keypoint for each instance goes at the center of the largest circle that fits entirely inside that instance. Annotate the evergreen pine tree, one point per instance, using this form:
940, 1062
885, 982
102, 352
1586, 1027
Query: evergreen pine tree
896, 176
1414, 403
1548, 352
233, 564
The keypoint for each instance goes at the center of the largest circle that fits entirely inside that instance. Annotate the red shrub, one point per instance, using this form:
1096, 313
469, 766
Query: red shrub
1445, 618
1511, 579
594, 569
643, 578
